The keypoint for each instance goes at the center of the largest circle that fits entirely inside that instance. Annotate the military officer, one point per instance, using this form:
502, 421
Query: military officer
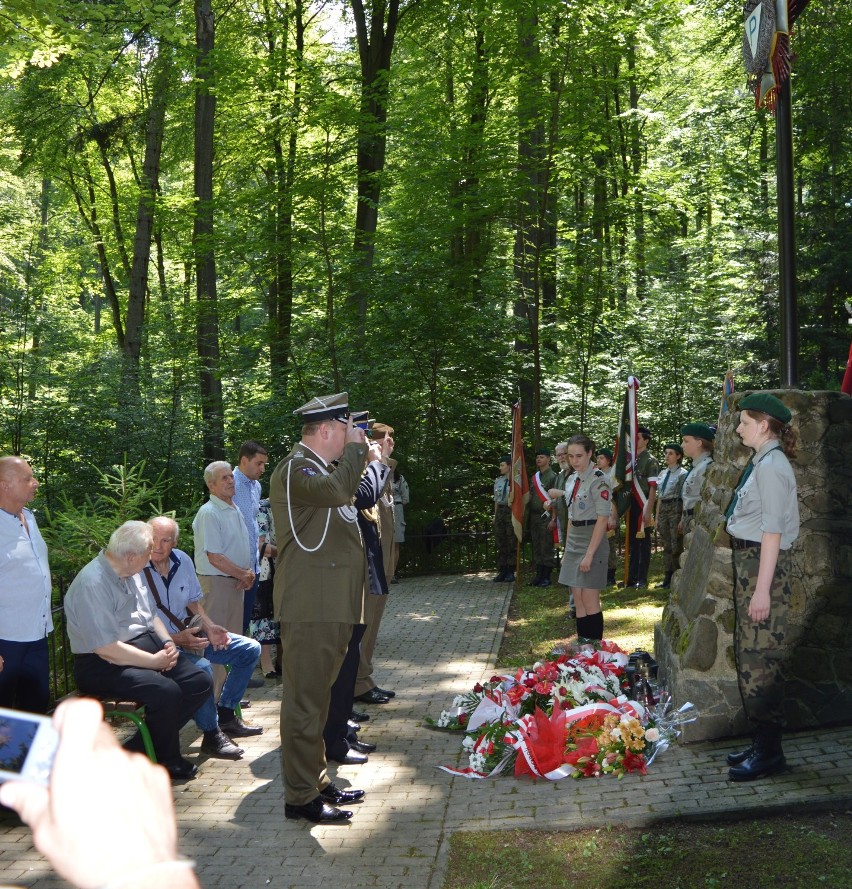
318, 594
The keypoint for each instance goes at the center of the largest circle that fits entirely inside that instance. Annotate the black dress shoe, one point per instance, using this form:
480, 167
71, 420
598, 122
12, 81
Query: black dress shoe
357, 716
385, 692
244, 705
354, 726
236, 728
318, 811
337, 797
181, 769
218, 744
372, 697
350, 758
362, 746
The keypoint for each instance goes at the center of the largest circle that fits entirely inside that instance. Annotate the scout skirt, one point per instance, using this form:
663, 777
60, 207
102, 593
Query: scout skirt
575, 549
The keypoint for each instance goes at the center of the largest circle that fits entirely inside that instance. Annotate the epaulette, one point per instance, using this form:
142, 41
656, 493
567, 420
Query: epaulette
599, 473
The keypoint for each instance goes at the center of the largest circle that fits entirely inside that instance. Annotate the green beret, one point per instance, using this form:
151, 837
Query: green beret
674, 447
506, 458
698, 430
605, 452
766, 404
542, 452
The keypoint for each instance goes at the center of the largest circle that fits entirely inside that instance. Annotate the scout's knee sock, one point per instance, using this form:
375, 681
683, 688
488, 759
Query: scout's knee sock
594, 626
582, 628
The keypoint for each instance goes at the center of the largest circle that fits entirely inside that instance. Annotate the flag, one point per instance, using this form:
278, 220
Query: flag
727, 389
520, 494
625, 452
846, 386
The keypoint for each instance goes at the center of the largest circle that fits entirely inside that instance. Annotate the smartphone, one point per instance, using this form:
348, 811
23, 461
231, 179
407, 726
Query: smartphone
27, 746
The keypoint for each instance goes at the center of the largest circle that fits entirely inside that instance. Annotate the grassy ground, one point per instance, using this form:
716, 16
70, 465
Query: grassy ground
804, 849
785, 851
538, 618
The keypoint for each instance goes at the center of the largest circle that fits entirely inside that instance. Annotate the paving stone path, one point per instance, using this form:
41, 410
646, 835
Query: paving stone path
438, 637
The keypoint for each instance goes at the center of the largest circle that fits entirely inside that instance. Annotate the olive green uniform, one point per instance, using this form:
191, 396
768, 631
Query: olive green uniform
544, 552
320, 579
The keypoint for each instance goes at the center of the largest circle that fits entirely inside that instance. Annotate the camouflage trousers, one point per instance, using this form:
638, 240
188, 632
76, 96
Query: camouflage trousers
504, 537
760, 648
668, 518
544, 553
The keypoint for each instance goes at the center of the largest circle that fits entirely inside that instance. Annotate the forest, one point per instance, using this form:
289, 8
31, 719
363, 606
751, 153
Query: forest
211, 211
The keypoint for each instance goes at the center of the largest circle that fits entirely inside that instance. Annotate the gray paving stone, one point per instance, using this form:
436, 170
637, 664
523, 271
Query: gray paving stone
438, 637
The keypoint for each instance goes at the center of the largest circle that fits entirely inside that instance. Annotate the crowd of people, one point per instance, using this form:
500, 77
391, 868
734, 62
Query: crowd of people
574, 509
149, 624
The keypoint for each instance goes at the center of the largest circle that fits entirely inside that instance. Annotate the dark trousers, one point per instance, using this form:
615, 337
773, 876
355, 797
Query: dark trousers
249, 598
640, 549
342, 694
24, 679
170, 699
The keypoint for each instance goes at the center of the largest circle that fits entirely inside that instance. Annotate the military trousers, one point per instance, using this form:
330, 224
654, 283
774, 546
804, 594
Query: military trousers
760, 648
668, 518
504, 537
374, 609
544, 551
311, 657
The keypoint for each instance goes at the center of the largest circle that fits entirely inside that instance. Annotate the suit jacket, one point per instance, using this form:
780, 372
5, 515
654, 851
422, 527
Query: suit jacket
321, 570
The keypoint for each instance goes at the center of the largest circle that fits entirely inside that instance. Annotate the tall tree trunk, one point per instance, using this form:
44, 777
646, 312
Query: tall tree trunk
148, 188
212, 413
375, 40
641, 276
528, 232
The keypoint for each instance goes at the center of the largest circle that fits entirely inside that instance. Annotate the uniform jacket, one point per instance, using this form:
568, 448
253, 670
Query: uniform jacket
321, 570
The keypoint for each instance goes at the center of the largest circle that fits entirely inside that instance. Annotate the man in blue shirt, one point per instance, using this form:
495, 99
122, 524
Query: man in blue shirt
25, 592
251, 464
175, 588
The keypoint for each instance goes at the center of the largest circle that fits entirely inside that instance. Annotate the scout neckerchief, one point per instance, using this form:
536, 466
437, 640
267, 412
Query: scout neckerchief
665, 482
748, 471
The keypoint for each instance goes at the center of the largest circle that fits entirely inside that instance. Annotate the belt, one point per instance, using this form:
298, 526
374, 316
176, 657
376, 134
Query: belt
736, 543
584, 522
671, 500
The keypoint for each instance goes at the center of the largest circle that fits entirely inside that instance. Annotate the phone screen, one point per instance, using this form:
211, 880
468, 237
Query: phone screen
27, 745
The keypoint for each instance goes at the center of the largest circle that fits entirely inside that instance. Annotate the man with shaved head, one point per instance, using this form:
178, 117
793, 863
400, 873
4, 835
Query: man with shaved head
25, 592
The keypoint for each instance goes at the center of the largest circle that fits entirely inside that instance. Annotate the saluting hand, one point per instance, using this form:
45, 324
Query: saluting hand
353, 433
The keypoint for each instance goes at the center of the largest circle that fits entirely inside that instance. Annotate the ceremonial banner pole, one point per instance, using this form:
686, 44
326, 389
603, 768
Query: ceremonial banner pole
768, 58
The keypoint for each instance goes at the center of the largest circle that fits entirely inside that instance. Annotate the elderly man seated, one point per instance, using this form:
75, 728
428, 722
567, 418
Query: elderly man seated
124, 651
177, 595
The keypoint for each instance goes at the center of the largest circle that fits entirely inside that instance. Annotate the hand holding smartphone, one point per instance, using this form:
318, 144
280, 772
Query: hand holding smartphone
27, 746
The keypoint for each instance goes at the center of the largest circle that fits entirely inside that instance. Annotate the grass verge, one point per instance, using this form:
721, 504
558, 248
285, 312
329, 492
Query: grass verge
787, 850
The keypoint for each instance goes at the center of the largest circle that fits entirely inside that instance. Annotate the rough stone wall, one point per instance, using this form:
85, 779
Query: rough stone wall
694, 641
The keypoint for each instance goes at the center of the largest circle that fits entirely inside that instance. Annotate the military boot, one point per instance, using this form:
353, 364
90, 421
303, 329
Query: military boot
510, 576
767, 757
501, 576
546, 574
667, 581
538, 573
738, 756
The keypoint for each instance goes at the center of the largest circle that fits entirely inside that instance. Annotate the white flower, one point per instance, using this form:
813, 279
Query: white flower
458, 700
652, 735
468, 742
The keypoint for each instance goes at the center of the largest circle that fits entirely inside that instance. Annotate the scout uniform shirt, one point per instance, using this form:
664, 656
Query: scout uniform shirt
691, 491
588, 500
767, 501
669, 483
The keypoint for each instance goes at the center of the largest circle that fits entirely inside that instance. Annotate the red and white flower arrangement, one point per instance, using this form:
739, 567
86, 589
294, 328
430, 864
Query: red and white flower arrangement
564, 717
